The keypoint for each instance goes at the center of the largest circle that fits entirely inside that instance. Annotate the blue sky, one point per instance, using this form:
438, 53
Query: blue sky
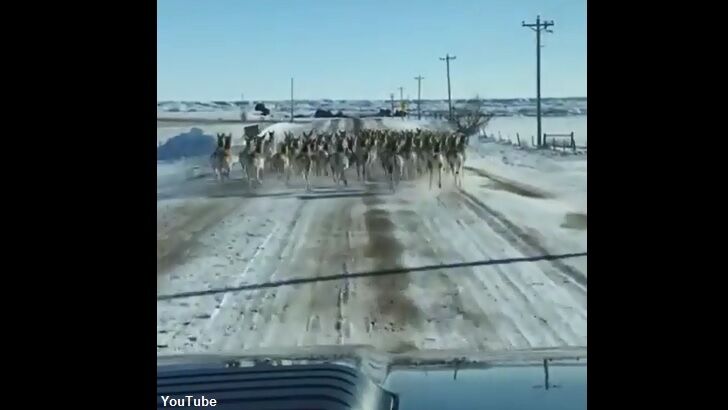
365, 49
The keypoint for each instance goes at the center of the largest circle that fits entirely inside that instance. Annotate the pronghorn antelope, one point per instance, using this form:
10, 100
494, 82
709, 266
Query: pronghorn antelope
302, 150
409, 154
456, 157
361, 153
222, 159
281, 161
322, 154
393, 161
254, 158
216, 158
371, 157
401, 154
244, 156
269, 147
340, 161
436, 158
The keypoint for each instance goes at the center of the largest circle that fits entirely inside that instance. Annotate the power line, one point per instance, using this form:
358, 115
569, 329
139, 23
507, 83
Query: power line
538, 26
447, 59
384, 272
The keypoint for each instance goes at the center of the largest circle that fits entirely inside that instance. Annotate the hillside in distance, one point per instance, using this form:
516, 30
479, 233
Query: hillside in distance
551, 107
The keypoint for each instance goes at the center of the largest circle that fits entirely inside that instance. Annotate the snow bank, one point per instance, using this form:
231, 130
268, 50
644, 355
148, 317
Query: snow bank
542, 192
237, 130
201, 115
191, 144
564, 177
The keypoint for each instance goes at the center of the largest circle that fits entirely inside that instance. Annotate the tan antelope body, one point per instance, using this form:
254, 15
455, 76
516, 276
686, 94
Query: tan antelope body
222, 159
340, 161
456, 157
401, 155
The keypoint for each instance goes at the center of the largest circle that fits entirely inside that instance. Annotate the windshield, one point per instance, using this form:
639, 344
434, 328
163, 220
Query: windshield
406, 175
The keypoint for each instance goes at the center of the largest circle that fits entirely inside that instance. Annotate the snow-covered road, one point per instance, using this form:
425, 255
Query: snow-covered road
213, 236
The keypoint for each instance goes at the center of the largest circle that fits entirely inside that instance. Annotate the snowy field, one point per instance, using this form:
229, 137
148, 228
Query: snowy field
508, 127
514, 202
551, 107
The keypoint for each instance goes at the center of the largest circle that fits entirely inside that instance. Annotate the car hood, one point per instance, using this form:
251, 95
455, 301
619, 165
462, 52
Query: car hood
421, 379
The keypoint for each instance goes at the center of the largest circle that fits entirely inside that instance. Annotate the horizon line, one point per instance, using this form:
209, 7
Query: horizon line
368, 99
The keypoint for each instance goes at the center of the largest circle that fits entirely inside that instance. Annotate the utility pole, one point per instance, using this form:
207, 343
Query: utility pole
242, 106
419, 79
401, 101
537, 27
391, 97
291, 99
447, 59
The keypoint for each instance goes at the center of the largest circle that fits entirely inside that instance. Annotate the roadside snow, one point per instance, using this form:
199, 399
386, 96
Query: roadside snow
563, 177
543, 193
166, 133
507, 127
408, 124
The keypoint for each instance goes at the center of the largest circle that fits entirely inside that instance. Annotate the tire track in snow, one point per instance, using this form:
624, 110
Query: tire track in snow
501, 316
511, 277
247, 318
447, 317
332, 253
227, 295
394, 307
519, 239
208, 321
191, 220
177, 321
562, 317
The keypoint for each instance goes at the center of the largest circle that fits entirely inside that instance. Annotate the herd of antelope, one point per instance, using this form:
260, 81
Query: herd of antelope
401, 154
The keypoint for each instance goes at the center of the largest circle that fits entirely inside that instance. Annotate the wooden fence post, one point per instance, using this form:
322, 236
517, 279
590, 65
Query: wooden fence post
573, 142
518, 138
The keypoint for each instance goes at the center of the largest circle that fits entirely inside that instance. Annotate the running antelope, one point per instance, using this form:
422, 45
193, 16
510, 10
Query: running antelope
256, 159
340, 161
222, 159
371, 157
302, 151
361, 153
436, 158
456, 157
281, 161
393, 162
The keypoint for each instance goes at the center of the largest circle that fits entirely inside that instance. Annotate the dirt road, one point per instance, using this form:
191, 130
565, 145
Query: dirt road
213, 236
